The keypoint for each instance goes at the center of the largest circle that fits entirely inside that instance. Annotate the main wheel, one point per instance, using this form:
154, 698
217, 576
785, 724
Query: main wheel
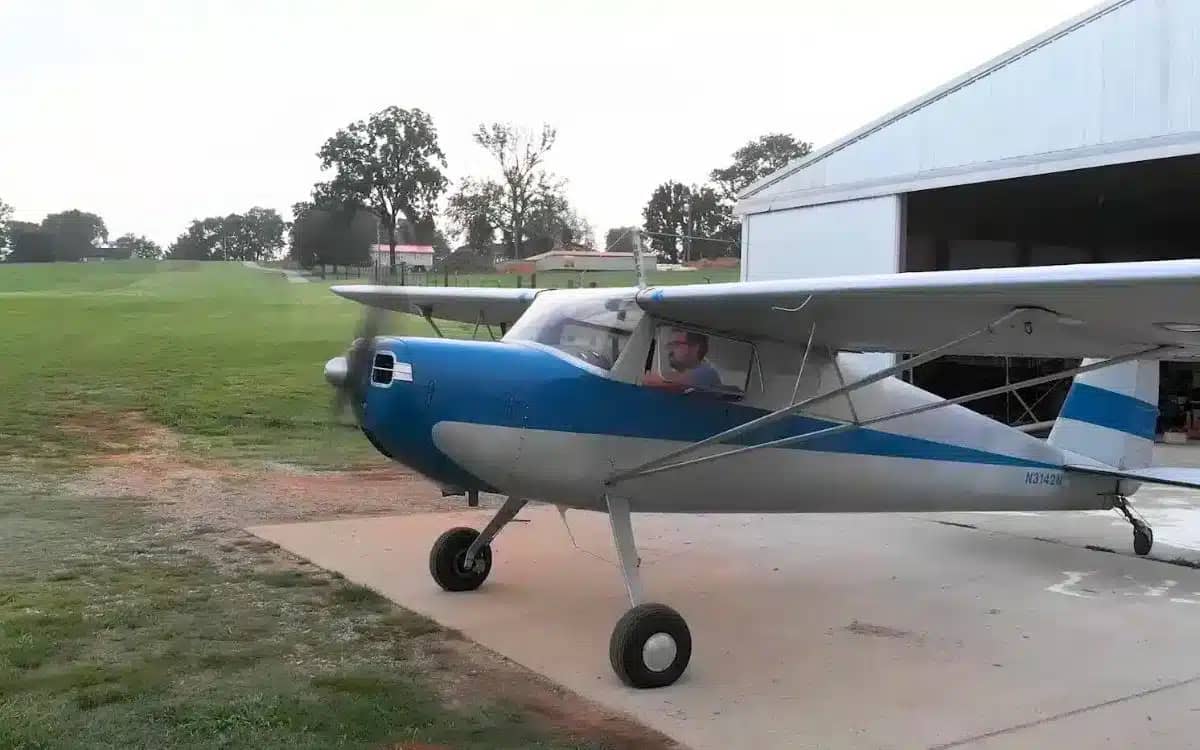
650, 646
447, 561
1143, 539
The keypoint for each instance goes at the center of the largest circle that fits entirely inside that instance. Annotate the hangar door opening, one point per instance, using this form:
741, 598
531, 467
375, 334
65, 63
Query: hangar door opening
1147, 210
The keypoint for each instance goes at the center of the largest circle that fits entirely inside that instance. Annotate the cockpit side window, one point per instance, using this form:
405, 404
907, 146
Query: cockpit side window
690, 361
593, 327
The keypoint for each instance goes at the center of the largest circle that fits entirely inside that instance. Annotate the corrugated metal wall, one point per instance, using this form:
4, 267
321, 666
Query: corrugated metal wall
1130, 74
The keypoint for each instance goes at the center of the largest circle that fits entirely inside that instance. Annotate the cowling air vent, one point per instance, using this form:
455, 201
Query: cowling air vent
383, 369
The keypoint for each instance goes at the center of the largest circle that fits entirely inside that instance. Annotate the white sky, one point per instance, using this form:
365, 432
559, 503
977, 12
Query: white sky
155, 113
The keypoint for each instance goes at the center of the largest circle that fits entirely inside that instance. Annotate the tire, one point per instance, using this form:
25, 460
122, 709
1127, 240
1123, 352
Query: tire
446, 561
627, 648
1143, 540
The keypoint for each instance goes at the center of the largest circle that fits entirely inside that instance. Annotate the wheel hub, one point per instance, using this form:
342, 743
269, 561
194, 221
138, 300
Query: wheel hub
461, 566
658, 653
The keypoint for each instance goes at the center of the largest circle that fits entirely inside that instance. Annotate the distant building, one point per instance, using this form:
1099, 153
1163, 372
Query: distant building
588, 260
416, 257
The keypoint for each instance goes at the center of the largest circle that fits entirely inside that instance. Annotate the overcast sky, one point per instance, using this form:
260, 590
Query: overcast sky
155, 113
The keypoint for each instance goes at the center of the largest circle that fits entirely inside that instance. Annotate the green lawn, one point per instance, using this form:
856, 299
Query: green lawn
229, 357
120, 628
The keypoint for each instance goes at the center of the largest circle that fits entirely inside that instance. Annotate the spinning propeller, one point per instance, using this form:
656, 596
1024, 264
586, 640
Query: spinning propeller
350, 374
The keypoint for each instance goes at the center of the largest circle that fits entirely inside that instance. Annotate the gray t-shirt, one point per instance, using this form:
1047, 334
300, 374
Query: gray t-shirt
702, 375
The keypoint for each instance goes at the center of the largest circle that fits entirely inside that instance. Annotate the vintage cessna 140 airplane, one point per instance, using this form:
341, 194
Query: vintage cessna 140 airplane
757, 397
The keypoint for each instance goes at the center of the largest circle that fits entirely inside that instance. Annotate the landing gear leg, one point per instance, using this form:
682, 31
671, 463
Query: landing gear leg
461, 558
651, 644
1143, 535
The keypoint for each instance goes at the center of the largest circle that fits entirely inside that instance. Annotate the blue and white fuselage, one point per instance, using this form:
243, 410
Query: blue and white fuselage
523, 418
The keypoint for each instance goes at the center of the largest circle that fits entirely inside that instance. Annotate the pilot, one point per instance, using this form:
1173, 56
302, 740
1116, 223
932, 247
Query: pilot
686, 351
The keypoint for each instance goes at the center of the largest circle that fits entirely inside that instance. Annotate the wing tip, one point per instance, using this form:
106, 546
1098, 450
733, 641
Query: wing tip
351, 291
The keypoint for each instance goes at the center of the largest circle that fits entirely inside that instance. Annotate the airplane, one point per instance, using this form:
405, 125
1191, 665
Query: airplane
765, 396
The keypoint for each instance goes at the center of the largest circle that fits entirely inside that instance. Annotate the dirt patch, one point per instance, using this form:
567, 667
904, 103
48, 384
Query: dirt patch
145, 460
119, 433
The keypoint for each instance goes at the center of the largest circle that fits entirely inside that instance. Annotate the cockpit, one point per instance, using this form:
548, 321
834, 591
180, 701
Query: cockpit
592, 326
608, 330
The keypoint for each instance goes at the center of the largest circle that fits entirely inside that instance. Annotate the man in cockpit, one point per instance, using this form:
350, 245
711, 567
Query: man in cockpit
686, 351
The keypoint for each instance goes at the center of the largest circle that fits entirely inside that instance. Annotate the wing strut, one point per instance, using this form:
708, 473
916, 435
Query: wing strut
775, 416
657, 466
803, 362
427, 313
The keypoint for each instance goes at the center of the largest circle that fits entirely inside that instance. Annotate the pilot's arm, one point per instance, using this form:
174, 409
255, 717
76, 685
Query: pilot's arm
653, 380
704, 376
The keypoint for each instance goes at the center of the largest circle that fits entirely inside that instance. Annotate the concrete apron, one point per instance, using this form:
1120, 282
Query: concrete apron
871, 631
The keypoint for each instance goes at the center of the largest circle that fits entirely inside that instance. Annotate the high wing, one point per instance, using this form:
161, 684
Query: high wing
485, 305
1095, 310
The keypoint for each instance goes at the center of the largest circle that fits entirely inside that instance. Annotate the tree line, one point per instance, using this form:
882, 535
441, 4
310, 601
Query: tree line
387, 184
76, 235
66, 236
254, 235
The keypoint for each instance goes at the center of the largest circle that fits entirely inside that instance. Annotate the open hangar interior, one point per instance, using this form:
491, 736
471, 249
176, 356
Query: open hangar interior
1125, 212
1079, 146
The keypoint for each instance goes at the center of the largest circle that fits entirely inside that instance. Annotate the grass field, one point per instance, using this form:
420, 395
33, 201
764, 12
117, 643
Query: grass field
122, 626
229, 357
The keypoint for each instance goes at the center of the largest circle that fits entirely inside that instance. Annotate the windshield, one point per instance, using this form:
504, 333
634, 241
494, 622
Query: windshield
593, 326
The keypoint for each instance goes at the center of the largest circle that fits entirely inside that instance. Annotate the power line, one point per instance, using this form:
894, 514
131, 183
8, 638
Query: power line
692, 237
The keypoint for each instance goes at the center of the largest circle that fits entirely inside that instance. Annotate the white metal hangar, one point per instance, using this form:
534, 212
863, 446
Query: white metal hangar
1081, 145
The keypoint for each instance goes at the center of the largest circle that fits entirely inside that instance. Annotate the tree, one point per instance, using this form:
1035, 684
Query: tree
757, 159
138, 246
553, 222
619, 239
679, 218
199, 242
441, 248
524, 186
29, 244
6, 212
74, 234
476, 210
391, 165
480, 233
331, 236
254, 235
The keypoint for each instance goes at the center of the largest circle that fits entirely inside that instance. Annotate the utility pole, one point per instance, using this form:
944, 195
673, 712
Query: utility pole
637, 258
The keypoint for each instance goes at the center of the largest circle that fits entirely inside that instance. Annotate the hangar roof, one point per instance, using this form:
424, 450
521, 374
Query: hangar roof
1118, 83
